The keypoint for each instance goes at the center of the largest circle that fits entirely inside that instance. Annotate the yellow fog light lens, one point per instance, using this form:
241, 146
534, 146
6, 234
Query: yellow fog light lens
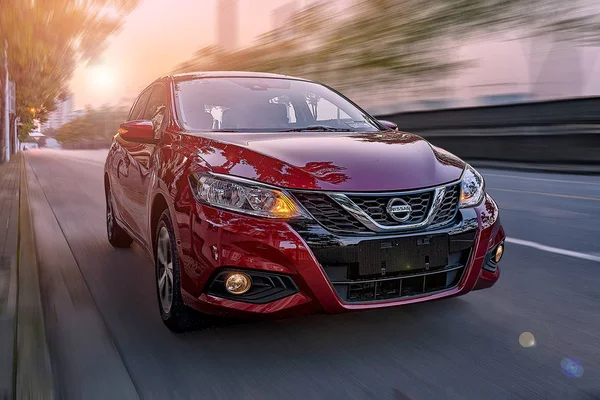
238, 283
499, 252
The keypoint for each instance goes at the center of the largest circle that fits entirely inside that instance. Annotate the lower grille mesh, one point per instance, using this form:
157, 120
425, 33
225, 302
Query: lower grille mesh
400, 287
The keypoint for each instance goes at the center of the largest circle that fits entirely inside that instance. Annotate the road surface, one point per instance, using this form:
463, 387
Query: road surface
107, 341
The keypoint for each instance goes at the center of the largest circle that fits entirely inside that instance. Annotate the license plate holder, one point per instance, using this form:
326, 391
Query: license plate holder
377, 257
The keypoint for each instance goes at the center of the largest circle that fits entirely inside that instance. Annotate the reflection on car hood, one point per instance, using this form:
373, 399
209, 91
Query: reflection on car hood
346, 161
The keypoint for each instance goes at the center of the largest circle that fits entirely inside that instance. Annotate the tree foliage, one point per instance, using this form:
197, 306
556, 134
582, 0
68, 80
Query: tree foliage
95, 126
46, 39
381, 41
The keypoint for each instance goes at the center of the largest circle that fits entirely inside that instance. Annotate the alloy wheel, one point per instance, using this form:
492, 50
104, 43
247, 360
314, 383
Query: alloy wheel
109, 214
164, 259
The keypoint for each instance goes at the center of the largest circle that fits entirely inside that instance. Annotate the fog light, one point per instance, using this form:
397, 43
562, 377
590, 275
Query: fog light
238, 283
499, 252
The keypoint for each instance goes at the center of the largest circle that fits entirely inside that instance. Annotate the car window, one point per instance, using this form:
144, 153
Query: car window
266, 104
216, 112
155, 109
140, 104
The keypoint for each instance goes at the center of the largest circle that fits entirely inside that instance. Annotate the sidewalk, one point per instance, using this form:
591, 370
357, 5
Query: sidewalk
25, 370
9, 225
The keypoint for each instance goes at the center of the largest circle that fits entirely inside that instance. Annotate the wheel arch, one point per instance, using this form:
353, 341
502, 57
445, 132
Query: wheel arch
106, 182
159, 205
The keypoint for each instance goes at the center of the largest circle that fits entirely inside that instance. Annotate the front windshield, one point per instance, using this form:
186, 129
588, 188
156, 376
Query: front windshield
244, 104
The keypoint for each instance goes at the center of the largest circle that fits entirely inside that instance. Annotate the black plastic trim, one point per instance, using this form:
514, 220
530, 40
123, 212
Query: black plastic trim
393, 278
266, 286
489, 263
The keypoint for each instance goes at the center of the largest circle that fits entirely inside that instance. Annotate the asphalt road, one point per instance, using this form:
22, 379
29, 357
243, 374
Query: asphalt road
107, 340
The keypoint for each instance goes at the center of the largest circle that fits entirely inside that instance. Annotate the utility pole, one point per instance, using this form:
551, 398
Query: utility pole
6, 118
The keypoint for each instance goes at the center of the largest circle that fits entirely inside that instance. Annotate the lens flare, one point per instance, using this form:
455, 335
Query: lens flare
526, 339
571, 367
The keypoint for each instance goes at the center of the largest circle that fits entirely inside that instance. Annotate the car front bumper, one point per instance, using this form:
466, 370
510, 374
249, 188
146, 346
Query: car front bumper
311, 256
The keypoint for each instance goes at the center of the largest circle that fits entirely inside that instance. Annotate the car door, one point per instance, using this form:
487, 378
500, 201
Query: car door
123, 183
141, 165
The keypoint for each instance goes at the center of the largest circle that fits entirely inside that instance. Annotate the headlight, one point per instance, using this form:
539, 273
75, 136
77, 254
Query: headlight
472, 188
242, 197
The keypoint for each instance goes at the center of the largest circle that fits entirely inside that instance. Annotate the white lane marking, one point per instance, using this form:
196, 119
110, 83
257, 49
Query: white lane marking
555, 250
543, 179
568, 196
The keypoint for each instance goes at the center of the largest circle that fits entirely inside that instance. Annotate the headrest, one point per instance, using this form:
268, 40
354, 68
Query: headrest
203, 121
233, 118
278, 113
270, 115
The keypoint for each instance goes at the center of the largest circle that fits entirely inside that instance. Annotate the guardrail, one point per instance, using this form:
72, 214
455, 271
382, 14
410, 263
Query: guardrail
560, 135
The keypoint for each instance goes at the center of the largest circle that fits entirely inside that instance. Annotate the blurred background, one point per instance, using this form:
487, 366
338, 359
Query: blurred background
74, 63
512, 86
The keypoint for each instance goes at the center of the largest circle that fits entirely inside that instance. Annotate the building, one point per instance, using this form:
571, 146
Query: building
76, 114
509, 70
227, 24
61, 115
8, 109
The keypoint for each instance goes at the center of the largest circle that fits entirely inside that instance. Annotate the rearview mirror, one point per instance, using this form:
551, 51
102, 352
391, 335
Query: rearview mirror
141, 131
389, 125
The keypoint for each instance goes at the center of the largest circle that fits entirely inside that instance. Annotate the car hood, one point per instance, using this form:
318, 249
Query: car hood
336, 161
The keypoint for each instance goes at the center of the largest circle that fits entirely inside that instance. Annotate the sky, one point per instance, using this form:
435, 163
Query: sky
156, 37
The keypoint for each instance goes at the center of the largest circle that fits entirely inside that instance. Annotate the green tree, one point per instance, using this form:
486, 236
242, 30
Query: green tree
95, 127
46, 39
375, 42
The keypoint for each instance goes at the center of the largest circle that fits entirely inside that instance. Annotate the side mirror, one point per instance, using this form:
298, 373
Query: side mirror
138, 131
389, 125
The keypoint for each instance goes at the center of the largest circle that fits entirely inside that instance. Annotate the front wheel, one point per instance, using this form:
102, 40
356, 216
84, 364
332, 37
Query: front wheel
174, 313
116, 235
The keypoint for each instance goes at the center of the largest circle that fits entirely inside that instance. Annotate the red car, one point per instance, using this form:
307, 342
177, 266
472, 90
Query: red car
261, 194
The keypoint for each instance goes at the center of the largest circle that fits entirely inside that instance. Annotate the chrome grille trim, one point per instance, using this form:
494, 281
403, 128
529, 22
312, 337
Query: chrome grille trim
356, 212
366, 220
376, 206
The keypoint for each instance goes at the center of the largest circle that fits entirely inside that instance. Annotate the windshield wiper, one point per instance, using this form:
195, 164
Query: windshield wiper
318, 128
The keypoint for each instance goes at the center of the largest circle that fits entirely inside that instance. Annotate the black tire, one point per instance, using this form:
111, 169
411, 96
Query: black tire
116, 235
176, 316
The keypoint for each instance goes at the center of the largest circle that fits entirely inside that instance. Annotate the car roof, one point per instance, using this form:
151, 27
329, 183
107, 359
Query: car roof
231, 74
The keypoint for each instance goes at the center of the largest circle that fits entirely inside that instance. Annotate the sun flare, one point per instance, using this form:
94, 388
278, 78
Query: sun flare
101, 78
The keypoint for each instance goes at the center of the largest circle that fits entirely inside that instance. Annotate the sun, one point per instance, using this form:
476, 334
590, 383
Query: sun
101, 78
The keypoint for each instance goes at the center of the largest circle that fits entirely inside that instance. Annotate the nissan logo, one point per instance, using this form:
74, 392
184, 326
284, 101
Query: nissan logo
399, 209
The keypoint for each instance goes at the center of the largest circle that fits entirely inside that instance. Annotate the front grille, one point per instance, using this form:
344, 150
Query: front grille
449, 205
375, 207
335, 218
329, 213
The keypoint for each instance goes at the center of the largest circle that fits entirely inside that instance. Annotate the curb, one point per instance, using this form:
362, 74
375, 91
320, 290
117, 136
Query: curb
33, 377
8, 318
